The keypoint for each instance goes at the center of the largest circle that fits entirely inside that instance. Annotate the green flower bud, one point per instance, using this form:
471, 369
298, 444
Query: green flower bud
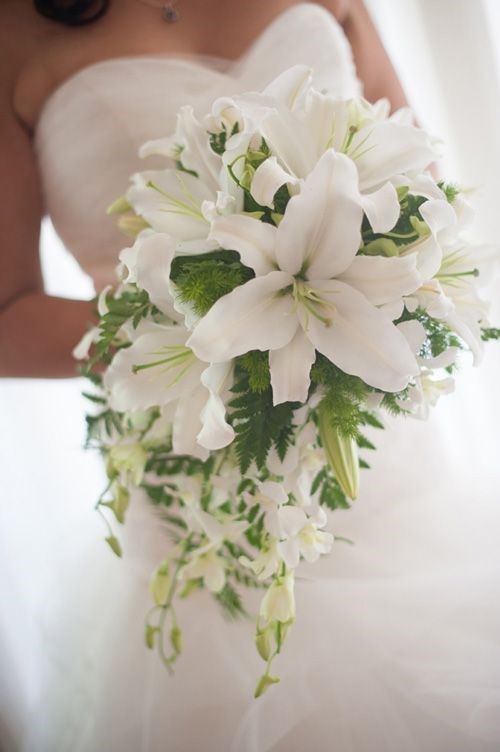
263, 643
129, 459
120, 503
150, 635
159, 584
132, 225
341, 452
176, 639
114, 545
265, 682
120, 206
420, 227
381, 247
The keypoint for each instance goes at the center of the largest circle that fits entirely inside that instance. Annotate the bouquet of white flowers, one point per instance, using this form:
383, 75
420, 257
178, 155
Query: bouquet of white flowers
295, 272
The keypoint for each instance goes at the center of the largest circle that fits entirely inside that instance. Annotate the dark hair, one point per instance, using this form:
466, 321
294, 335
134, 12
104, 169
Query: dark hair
72, 12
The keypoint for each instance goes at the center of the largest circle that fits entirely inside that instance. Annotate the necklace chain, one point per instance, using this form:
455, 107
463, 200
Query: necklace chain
169, 8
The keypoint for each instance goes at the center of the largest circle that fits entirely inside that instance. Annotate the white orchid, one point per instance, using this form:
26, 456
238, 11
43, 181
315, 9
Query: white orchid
205, 561
270, 496
301, 535
208, 565
278, 603
266, 563
314, 289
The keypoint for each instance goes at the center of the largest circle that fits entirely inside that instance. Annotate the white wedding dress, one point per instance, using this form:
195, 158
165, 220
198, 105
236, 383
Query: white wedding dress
397, 642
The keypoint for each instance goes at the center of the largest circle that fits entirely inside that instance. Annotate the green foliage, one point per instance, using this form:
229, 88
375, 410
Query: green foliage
106, 423
202, 280
391, 401
489, 334
450, 190
230, 602
344, 396
404, 232
132, 304
330, 492
163, 463
258, 423
218, 140
256, 364
439, 335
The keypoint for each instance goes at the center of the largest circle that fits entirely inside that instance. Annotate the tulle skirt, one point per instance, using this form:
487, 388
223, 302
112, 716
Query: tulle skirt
397, 641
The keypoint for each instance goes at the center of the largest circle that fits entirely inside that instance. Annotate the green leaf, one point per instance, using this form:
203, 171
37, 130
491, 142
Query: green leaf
230, 602
258, 423
490, 333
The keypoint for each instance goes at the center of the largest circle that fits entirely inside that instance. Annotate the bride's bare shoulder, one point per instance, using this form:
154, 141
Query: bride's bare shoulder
23, 36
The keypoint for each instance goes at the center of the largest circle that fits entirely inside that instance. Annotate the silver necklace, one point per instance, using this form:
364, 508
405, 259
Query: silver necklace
169, 9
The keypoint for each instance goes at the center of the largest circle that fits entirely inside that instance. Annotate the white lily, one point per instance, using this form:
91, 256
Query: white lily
147, 264
179, 204
380, 148
311, 291
157, 369
189, 144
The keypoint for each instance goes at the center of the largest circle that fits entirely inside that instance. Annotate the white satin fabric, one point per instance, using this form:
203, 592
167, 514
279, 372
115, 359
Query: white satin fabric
396, 646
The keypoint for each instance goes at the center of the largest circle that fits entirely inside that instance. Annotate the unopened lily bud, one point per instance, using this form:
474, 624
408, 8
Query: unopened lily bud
381, 247
420, 227
120, 206
341, 452
264, 683
159, 584
132, 225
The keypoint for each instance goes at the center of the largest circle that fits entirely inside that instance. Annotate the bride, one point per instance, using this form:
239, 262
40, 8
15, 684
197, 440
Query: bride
396, 644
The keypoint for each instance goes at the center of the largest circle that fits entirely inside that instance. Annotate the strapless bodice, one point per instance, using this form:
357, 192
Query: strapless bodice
91, 127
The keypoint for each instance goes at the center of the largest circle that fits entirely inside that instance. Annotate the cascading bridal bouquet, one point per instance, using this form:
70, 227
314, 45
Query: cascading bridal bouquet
295, 272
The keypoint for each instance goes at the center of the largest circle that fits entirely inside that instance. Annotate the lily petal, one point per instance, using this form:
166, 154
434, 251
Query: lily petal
290, 367
216, 433
290, 85
254, 240
361, 340
175, 371
268, 178
254, 316
383, 280
382, 208
187, 423
171, 200
320, 232
148, 263
386, 148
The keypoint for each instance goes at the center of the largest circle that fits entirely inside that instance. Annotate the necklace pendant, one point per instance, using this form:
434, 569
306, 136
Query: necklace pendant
170, 12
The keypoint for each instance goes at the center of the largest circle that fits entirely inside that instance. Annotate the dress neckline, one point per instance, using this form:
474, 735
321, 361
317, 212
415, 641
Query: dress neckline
202, 61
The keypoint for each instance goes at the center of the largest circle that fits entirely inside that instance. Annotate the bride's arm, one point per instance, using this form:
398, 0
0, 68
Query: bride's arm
37, 331
373, 65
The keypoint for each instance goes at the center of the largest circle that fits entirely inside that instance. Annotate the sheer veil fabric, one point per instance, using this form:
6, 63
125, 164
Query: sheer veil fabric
396, 644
